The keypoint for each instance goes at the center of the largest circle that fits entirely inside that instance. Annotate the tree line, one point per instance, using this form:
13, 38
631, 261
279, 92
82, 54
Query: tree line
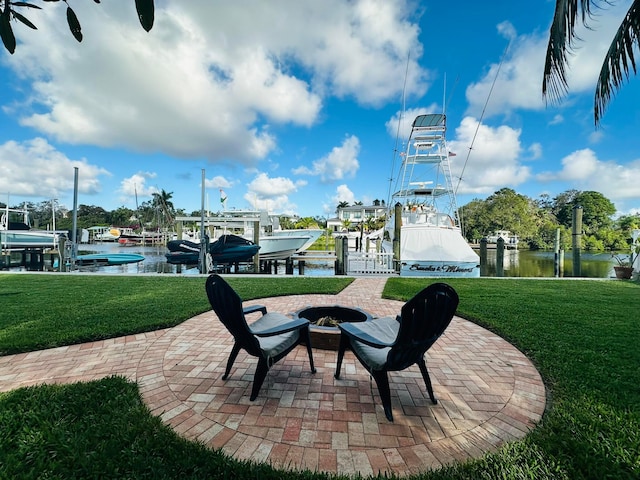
157, 213
536, 221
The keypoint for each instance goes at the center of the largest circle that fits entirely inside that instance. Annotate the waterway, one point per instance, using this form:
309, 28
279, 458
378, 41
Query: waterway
517, 263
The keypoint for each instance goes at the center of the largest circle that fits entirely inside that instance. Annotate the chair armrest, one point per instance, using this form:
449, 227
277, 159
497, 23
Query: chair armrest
254, 308
276, 324
362, 332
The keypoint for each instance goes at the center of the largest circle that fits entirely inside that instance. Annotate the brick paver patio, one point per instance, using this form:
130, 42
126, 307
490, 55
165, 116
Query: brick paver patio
489, 393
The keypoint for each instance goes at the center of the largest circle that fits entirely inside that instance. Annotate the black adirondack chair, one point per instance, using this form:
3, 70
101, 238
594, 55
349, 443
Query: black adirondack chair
270, 338
392, 344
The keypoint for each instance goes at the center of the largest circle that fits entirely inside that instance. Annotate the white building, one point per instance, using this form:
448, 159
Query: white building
355, 215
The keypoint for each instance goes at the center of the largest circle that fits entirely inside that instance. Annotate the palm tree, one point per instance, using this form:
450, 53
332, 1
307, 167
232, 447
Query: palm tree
307, 222
617, 63
162, 203
8, 12
342, 204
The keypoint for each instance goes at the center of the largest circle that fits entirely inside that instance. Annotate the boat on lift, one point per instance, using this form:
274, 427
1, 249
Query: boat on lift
275, 243
227, 249
17, 234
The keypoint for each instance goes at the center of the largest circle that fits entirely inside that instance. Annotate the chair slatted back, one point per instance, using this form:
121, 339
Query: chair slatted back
228, 307
423, 320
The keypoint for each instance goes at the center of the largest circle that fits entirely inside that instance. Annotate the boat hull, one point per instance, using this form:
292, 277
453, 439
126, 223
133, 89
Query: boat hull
431, 251
182, 258
108, 259
278, 247
186, 246
230, 256
110, 234
434, 252
227, 249
312, 233
23, 239
425, 268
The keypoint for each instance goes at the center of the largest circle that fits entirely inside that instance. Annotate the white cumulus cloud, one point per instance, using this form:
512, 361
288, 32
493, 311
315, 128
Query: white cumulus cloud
35, 168
135, 188
209, 73
272, 194
586, 171
494, 160
341, 162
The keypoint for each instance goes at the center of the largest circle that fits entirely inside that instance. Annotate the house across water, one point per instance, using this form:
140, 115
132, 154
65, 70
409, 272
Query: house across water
510, 240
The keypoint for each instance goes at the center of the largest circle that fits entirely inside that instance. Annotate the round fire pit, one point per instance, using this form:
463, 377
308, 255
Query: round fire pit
324, 319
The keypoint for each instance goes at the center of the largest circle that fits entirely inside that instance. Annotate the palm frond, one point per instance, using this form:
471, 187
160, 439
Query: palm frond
618, 62
562, 37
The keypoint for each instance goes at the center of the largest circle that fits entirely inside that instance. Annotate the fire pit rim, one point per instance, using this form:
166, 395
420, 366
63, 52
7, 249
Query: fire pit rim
328, 337
359, 311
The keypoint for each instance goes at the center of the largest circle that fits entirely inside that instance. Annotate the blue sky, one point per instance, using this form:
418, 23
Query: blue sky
293, 106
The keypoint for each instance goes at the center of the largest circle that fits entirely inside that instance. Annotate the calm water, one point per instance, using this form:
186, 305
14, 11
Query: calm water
516, 263
541, 264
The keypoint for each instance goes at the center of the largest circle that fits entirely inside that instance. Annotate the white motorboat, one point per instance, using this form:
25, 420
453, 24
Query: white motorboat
427, 234
312, 235
280, 247
275, 243
17, 234
102, 233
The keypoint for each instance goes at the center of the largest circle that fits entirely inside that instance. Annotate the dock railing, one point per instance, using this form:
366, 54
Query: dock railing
370, 263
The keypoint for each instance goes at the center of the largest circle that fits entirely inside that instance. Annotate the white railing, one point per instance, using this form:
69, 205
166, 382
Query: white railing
368, 263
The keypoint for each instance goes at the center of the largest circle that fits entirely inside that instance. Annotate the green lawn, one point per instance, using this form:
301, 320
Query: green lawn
44, 311
581, 334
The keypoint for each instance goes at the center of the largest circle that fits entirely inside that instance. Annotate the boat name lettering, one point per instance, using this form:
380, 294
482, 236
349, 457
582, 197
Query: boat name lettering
440, 268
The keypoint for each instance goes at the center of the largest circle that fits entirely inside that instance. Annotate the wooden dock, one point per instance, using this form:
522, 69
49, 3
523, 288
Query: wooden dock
323, 255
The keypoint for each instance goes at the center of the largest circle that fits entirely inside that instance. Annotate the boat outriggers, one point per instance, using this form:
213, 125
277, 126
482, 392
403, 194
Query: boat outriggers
422, 226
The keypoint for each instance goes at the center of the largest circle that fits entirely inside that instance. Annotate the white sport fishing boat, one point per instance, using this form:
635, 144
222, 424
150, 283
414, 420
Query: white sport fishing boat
430, 240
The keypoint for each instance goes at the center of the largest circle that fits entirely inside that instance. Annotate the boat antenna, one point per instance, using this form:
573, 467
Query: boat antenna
135, 192
401, 116
455, 84
444, 95
484, 108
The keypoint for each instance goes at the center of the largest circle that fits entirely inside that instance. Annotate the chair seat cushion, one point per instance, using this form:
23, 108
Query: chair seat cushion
384, 330
274, 345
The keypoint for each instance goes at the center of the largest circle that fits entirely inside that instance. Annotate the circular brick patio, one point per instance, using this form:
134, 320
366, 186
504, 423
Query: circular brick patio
488, 393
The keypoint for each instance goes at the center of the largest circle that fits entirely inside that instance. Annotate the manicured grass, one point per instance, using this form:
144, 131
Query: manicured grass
583, 337
102, 430
581, 334
44, 311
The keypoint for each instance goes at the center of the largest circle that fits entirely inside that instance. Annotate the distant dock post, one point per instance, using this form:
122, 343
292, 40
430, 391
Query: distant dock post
500, 257
342, 248
484, 267
558, 256
577, 240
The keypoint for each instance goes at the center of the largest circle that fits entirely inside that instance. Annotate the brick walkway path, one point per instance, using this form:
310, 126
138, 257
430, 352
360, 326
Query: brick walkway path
489, 393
